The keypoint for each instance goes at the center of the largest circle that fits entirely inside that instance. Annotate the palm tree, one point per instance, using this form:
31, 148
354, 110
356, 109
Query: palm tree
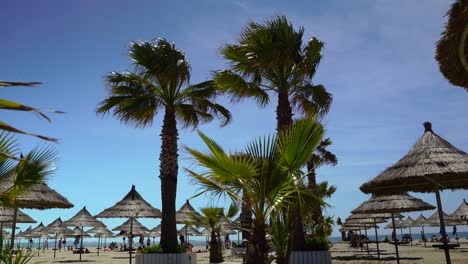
268, 172
159, 82
213, 218
320, 225
29, 171
10, 105
320, 157
271, 58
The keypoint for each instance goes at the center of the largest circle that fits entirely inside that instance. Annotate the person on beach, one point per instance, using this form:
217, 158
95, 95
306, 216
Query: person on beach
182, 239
46, 245
148, 242
60, 245
454, 233
76, 242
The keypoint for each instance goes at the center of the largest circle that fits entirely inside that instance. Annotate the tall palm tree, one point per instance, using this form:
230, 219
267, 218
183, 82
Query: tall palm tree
10, 105
272, 58
213, 218
159, 83
268, 172
321, 156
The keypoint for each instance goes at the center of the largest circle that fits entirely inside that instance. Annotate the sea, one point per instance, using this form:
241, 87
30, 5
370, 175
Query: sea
201, 242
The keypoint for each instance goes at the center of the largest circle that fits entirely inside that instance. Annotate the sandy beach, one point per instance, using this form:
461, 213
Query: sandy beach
341, 253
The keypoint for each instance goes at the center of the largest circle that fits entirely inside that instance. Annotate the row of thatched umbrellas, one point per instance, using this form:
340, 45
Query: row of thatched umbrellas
431, 165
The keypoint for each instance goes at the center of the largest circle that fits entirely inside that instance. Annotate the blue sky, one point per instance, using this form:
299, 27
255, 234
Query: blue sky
378, 63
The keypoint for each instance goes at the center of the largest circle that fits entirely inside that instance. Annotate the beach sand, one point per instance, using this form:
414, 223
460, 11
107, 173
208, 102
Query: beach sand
341, 252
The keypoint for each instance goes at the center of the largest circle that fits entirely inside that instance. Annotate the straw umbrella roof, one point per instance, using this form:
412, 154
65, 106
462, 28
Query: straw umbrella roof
431, 164
205, 232
132, 205
83, 218
409, 222
6, 215
25, 233
40, 196
38, 231
398, 224
371, 216
360, 222
156, 229
138, 228
153, 234
77, 232
183, 215
101, 230
452, 48
190, 230
434, 220
227, 231
358, 219
461, 212
56, 227
392, 204
420, 221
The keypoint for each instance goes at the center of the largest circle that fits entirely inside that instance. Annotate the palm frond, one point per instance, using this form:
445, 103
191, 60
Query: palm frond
6, 127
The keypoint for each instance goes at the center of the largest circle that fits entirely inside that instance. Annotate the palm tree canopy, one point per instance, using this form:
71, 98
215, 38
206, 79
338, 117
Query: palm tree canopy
268, 172
157, 82
271, 57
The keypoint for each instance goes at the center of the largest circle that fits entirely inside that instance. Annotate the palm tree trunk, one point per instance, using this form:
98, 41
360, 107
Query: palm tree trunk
257, 252
168, 174
216, 253
246, 219
312, 185
283, 111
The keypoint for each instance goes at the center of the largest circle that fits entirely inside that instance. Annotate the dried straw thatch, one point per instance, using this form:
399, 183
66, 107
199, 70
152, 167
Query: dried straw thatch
205, 232
6, 216
39, 231
83, 218
420, 221
40, 196
183, 215
25, 234
101, 230
189, 230
392, 204
156, 229
358, 219
434, 220
57, 228
138, 228
372, 216
132, 205
452, 48
409, 222
461, 212
77, 232
432, 164
398, 224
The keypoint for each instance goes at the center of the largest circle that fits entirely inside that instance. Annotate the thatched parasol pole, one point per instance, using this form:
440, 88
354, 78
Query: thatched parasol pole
1, 236
39, 246
376, 238
130, 242
13, 227
81, 243
98, 244
411, 235
396, 240
55, 244
442, 227
367, 240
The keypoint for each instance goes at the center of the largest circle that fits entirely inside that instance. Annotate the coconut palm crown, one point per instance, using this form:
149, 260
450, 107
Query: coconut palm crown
271, 57
268, 172
159, 82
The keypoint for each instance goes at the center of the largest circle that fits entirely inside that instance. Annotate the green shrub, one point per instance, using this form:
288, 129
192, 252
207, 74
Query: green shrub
317, 244
157, 249
385, 240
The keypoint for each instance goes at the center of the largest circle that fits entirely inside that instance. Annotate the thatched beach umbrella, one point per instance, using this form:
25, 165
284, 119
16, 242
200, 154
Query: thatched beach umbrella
185, 213
57, 229
432, 164
7, 216
38, 232
189, 231
131, 206
377, 218
366, 223
408, 223
392, 204
39, 196
99, 232
434, 220
77, 231
155, 232
138, 228
452, 48
461, 213
83, 219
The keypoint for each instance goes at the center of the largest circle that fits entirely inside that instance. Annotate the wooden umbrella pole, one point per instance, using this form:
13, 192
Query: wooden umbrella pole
442, 227
367, 240
13, 228
411, 236
81, 245
98, 244
376, 238
55, 244
130, 242
39, 247
396, 240
424, 240
1, 236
